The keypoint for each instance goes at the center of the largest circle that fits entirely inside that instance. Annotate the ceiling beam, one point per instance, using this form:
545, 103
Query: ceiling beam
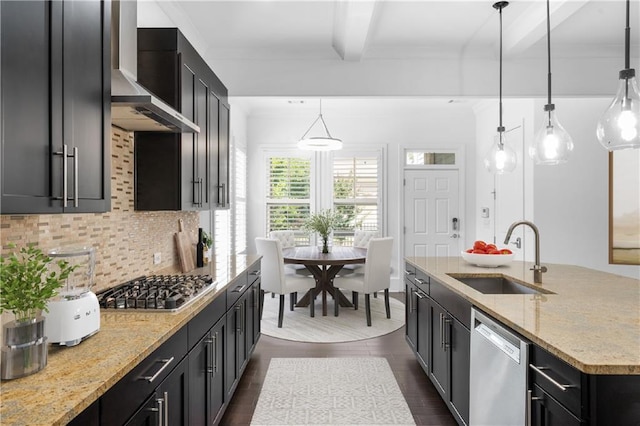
352, 23
531, 26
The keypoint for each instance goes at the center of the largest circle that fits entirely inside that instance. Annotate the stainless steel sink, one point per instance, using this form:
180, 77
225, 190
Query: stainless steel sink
497, 285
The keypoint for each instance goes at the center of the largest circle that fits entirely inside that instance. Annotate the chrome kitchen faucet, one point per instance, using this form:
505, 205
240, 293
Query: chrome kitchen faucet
537, 268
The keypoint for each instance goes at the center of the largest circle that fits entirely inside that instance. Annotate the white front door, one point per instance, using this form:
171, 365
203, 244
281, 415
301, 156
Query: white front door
431, 217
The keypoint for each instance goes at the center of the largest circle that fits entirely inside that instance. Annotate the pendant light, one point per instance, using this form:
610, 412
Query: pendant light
319, 143
619, 126
551, 144
500, 158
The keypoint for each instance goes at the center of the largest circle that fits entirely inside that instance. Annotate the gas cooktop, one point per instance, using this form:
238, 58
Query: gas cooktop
160, 293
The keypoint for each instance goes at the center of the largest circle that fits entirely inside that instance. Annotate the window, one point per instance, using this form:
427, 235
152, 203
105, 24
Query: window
239, 206
288, 194
421, 158
356, 194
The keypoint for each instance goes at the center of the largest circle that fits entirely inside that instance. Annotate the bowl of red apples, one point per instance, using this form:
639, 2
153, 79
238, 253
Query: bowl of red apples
487, 255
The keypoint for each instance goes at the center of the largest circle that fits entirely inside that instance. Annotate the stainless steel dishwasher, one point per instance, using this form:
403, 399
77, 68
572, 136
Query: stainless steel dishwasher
498, 375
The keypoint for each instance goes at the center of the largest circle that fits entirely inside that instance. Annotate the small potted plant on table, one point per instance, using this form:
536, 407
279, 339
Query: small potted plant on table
323, 223
26, 284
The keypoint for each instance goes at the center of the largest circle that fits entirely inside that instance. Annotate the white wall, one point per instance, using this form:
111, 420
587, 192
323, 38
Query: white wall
571, 200
568, 202
445, 127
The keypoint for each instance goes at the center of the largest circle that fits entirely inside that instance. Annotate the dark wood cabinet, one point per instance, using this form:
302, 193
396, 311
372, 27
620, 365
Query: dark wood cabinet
437, 324
179, 171
206, 376
546, 411
55, 106
173, 396
223, 157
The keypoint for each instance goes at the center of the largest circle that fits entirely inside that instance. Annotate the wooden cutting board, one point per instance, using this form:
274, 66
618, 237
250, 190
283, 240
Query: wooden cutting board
185, 249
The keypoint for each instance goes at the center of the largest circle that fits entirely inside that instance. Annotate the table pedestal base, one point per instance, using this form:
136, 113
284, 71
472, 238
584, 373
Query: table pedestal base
324, 277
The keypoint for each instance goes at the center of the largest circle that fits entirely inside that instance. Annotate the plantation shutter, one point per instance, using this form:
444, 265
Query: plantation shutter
288, 194
356, 194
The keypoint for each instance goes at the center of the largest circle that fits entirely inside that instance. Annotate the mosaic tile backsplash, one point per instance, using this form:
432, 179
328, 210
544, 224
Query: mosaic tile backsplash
125, 240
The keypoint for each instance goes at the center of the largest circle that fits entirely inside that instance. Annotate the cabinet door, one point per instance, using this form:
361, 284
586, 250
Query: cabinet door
86, 82
26, 107
199, 388
174, 394
189, 140
231, 349
201, 148
438, 368
148, 415
546, 411
459, 339
423, 343
223, 157
214, 138
218, 371
411, 315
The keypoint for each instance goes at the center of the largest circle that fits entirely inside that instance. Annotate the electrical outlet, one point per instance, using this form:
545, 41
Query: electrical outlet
157, 258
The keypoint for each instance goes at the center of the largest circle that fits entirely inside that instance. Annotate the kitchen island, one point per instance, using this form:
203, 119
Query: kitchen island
76, 377
591, 321
571, 343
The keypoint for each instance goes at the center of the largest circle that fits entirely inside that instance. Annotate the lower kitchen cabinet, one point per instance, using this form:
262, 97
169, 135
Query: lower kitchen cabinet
546, 411
168, 404
206, 376
438, 333
189, 379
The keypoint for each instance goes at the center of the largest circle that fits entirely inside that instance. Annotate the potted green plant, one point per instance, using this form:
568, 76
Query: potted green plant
323, 223
26, 284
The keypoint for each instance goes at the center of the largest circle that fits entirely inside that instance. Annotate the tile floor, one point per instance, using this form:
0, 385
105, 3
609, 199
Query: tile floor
424, 401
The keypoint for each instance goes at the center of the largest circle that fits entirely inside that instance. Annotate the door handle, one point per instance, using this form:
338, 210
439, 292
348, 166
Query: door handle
208, 341
455, 236
441, 330
165, 362
530, 399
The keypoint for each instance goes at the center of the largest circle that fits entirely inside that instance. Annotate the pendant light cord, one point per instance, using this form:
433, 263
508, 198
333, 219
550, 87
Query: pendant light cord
627, 41
501, 128
548, 55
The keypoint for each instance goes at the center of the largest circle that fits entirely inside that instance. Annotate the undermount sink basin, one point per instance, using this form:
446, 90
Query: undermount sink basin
497, 285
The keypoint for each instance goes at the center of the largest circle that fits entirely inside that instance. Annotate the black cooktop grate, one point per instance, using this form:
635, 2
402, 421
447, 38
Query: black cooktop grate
156, 292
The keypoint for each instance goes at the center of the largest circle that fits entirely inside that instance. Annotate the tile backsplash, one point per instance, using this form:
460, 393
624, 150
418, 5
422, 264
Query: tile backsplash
124, 239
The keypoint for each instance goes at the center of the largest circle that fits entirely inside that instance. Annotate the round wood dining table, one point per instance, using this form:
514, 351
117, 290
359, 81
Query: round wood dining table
324, 267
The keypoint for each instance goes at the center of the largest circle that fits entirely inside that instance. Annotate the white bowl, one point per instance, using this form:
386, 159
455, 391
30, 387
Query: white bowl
487, 260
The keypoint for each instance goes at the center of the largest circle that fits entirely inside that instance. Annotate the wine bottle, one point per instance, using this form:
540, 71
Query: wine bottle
200, 250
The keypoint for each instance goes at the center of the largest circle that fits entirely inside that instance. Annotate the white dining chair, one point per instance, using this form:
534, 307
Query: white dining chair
376, 277
361, 239
288, 239
274, 279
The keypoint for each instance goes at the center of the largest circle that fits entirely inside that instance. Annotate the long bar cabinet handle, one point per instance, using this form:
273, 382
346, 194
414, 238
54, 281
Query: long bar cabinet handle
166, 363
562, 387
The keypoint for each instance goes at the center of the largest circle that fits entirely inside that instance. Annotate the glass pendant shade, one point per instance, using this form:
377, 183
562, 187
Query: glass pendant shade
500, 158
552, 144
619, 127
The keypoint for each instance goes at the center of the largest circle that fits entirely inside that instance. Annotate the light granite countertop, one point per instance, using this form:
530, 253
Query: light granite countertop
75, 377
592, 321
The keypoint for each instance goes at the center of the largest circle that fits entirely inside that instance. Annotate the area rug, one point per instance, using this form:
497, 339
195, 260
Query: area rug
349, 326
331, 391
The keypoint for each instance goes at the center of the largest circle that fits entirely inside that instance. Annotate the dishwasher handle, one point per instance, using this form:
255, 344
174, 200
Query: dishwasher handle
498, 337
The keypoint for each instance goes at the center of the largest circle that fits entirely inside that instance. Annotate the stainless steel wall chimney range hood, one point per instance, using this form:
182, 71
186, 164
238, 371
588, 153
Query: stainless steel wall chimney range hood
133, 107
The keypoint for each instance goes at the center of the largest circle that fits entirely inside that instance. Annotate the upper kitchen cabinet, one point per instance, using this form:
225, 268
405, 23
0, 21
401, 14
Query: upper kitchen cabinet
179, 171
55, 106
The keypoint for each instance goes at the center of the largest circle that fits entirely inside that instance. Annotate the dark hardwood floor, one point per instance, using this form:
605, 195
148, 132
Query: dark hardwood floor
424, 401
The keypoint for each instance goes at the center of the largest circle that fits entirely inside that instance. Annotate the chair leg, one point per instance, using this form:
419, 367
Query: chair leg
375, 295
293, 299
336, 305
261, 303
281, 311
386, 302
367, 303
354, 299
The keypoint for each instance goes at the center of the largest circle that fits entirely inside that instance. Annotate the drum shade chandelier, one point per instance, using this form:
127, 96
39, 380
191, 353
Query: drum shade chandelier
500, 158
551, 144
619, 126
319, 143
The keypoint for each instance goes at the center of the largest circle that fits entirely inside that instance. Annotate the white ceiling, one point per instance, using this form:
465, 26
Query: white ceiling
276, 47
